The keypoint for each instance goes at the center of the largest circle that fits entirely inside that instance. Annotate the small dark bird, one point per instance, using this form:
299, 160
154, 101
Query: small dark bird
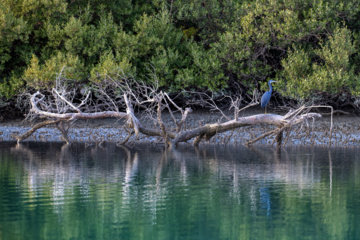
267, 95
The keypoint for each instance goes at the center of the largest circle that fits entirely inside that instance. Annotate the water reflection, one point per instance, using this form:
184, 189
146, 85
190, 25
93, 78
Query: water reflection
146, 192
71, 165
77, 166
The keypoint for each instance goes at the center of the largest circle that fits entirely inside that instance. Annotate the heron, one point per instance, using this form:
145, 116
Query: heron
267, 95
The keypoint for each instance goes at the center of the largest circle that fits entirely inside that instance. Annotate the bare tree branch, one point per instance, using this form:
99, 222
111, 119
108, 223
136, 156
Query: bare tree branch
132, 119
60, 108
66, 101
34, 128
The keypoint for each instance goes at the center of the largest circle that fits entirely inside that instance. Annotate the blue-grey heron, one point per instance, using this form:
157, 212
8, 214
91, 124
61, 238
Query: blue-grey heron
267, 95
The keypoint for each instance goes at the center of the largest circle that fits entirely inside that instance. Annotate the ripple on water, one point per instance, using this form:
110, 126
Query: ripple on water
213, 194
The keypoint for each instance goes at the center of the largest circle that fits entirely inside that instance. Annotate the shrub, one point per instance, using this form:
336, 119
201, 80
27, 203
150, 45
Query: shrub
332, 71
44, 75
110, 67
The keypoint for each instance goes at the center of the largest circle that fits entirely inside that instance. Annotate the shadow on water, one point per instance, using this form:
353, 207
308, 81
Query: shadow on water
55, 191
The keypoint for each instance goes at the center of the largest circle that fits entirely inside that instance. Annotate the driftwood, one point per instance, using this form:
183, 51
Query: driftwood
61, 109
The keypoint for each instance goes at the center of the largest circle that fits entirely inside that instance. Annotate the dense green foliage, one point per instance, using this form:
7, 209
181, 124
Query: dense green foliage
309, 46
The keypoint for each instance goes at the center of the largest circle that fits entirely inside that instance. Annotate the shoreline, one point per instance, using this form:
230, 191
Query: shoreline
346, 131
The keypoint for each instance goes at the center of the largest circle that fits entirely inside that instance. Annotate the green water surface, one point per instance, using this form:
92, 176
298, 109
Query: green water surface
56, 191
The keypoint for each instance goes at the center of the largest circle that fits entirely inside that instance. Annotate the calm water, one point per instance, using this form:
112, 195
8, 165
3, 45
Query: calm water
55, 191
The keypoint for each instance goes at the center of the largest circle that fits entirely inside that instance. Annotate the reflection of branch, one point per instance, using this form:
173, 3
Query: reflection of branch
21, 148
159, 169
64, 152
131, 165
330, 172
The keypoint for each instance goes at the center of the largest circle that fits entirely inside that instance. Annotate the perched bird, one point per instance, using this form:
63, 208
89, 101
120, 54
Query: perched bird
267, 95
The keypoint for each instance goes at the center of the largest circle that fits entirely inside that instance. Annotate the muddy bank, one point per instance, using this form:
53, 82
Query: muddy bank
346, 131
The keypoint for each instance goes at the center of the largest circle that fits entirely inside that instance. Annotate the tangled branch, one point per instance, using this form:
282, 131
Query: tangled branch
62, 107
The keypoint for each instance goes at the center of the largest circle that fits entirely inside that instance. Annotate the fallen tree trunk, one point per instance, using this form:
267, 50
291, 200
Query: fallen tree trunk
60, 110
209, 130
173, 138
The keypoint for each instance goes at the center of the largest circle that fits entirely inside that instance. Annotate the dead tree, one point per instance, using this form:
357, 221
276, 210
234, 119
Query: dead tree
59, 109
